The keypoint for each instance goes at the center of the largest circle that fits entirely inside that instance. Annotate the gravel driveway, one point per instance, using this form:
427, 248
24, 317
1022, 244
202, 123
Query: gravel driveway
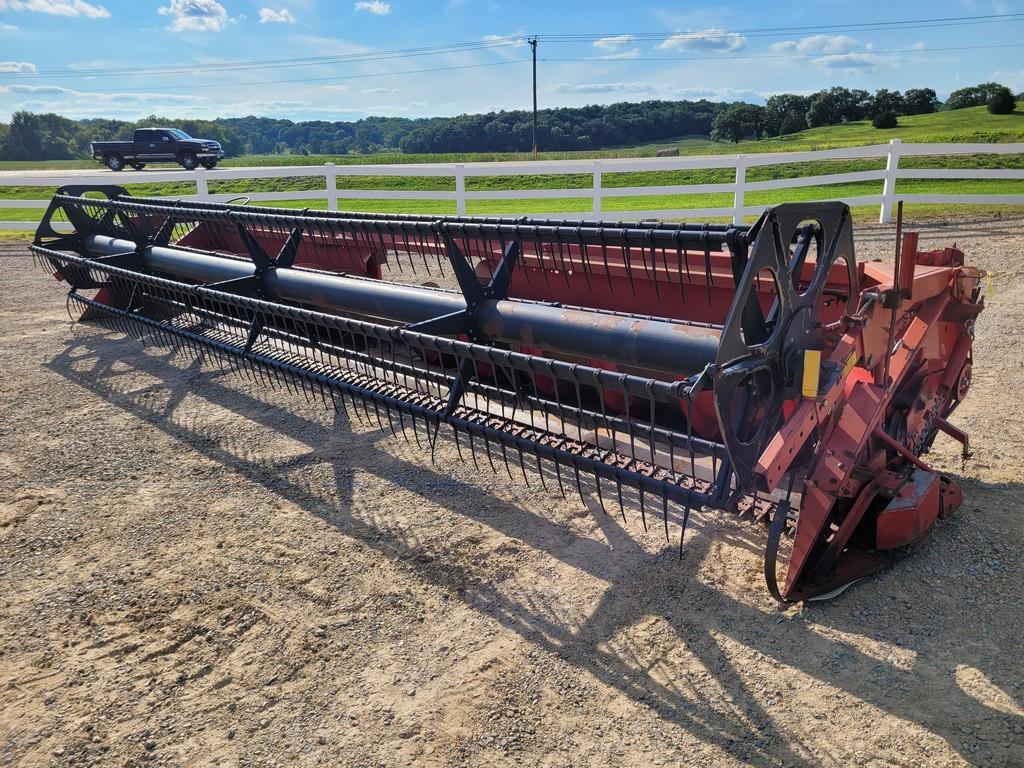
199, 571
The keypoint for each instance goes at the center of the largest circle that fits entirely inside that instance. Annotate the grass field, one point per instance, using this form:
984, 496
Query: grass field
967, 125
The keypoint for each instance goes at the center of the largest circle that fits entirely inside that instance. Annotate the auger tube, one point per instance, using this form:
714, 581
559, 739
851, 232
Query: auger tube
674, 348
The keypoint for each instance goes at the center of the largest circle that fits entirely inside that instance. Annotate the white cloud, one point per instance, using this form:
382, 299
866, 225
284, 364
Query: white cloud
196, 16
715, 94
616, 47
8, 28
99, 100
918, 46
832, 44
864, 61
601, 87
513, 40
271, 16
507, 46
57, 7
328, 46
376, 7
704, 40
662, 91
632, 53
614, 42
380, 90
51, 90
17, 66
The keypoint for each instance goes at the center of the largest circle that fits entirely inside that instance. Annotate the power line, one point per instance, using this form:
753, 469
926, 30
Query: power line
331, 78
279, 63
818, 55
802, 29
518, 41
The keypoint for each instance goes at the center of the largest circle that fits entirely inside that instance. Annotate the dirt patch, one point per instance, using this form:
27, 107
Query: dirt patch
200, 571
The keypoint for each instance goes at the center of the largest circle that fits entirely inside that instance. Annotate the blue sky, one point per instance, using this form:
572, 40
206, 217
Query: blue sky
70, 56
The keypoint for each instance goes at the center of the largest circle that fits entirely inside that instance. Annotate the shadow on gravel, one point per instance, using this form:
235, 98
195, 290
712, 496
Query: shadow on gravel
705, 621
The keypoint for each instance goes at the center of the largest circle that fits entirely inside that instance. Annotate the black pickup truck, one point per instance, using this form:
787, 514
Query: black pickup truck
158, 145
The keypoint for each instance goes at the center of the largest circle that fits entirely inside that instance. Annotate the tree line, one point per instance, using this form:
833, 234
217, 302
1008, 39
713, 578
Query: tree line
31, 136
786, 113
51, 137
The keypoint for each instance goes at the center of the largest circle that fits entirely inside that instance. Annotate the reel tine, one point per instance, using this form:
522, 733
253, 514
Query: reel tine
540, 471
504, 456
472, 450
664, 516
458, 445
618, 492
401, 423
415, 431
487, 449
558, 475
579, 488
682, 526
522, 466
432, 440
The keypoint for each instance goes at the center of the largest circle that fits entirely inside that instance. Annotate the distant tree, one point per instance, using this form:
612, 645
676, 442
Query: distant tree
784, 113
885, 101
885, 120
837, 105
920, 101
822, 111
737, 122
1001, 101
974, 96
792, 122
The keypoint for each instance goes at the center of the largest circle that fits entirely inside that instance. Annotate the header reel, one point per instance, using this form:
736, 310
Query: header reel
692, 365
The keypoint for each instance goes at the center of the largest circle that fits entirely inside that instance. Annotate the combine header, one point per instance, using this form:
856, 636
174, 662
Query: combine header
659, 367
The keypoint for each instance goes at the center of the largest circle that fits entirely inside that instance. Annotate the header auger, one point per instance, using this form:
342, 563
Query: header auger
665, 367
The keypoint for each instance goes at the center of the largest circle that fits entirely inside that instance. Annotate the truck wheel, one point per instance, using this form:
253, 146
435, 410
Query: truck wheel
209, 164
138, 166
189, 161
115, 162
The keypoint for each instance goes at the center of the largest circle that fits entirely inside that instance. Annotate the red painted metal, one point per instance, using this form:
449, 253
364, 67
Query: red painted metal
358, 256
910, 513
893, 369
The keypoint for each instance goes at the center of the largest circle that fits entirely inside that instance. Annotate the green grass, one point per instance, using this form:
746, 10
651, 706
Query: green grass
958, 126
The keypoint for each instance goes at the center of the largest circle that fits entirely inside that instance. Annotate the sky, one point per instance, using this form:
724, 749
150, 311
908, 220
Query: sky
347, 59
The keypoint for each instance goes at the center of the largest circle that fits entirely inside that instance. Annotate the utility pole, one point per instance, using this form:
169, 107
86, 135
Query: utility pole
533, 46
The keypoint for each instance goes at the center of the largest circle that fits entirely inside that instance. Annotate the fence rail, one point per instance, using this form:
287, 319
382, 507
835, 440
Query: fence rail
596, 193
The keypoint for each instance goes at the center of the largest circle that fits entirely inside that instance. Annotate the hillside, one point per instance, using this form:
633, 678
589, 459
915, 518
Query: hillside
961, 125
966, 125
974, 124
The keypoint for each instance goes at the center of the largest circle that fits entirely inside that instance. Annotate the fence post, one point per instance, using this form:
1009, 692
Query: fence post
331, 177
202, 191
460, 189
892, 165
737, 198
597, 187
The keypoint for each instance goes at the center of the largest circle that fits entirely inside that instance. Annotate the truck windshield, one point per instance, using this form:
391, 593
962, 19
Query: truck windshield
179, 134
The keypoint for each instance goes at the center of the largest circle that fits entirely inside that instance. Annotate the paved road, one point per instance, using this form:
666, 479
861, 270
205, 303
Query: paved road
122, 177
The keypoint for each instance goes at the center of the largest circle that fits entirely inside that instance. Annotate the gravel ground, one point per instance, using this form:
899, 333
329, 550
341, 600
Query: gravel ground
197, 571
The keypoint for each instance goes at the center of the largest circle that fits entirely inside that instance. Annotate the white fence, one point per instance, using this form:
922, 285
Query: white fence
597, 193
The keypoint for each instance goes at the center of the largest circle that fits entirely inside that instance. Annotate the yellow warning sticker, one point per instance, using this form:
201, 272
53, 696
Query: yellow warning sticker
812, 372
